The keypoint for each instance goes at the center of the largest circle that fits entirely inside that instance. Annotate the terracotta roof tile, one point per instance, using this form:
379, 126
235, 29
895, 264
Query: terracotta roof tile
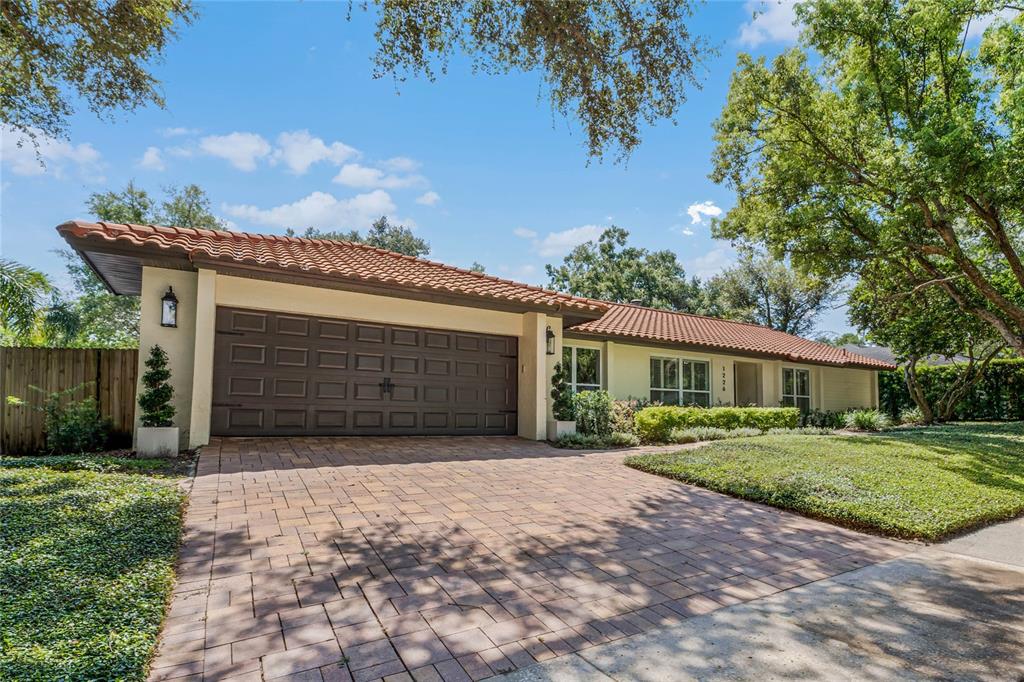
364, 263
709, 332
348, 260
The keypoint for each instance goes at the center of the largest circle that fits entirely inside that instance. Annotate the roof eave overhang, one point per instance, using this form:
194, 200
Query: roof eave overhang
707, 348
179, 259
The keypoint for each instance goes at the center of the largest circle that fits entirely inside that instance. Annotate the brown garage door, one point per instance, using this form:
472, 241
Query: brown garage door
278, 374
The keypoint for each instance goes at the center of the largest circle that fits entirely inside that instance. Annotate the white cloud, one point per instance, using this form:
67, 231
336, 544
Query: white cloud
429, 198
178, 132
711, 263
979, 24
524, 233
51, 156
365, 177
528, 273
687, 232
319, 209
772, 21
299, 150
151, 159
557, 244
241, 150
700, 209
400, 164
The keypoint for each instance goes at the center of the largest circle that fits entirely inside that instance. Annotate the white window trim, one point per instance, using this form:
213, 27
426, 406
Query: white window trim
680, 390
795, 395
573, 386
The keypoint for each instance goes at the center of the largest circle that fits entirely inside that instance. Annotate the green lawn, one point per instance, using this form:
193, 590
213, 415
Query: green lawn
86, 566
919, 483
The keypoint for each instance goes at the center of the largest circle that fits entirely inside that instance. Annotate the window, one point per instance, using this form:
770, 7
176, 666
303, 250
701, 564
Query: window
796, 388
582, 367
680, 382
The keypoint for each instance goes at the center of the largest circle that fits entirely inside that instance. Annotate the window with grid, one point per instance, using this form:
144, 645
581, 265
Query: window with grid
680, 382
582, 368
796, 388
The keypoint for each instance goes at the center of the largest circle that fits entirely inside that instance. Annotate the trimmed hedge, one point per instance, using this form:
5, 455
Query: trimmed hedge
998, 396
654, 424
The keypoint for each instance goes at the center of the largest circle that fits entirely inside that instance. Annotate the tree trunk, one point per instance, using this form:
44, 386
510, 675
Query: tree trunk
916, 392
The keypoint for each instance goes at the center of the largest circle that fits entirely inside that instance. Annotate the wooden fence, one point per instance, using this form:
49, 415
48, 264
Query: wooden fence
109, 375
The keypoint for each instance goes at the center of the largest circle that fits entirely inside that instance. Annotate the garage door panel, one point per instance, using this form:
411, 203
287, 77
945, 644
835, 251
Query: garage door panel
285, 374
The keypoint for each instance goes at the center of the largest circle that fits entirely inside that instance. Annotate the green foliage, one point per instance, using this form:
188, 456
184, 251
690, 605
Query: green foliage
763, 290
155, 399
998, 395
579, 441
624, 413
593, 410
654, 424
561, 396
22, 290
86, 564
99, 52
842, 339
71, 425
889, 155
803, 430
824, 419
917, 483
614, 65
699, 434
101, 464
911, 415
187, 206
611, 271
381, 234
477, 267
867, 420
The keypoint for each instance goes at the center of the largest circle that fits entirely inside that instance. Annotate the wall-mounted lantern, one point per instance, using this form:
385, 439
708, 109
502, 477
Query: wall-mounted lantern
551, 341
169, 309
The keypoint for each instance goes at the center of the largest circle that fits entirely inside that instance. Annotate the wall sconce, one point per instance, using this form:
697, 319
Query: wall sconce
551, 341
169, 309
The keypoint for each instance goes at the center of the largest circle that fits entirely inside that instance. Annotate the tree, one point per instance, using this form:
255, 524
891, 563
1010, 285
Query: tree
611, 271
155, 399
762, 290
922, 324
22, 291
477, 267
844, 339
381, 234
895, 150
97, 50
615, 63
188, 206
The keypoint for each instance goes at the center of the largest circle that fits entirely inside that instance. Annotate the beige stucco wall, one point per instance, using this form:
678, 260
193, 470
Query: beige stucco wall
179, 342
626, 374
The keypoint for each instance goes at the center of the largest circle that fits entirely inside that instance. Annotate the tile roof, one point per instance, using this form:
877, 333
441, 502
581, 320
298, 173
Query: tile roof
364, 263
329, 257
708, 332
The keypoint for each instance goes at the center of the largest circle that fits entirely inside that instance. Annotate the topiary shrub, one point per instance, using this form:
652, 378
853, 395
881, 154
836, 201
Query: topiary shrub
593, 410
155, 399
867, 420
561, 397
653, 424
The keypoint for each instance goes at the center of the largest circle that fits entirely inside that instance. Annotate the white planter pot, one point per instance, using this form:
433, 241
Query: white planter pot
557, 429
157, 441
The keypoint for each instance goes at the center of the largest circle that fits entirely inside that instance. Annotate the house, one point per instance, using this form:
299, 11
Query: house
271, 335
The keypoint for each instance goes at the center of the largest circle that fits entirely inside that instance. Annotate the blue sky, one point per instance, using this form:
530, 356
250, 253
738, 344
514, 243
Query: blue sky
272, 108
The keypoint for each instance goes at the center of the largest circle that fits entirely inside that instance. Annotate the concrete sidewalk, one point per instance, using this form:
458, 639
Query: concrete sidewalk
951, 611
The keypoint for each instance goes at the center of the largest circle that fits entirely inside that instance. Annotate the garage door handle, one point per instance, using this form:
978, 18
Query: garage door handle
385, 386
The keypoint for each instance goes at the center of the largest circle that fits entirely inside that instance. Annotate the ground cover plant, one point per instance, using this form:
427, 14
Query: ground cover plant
86, 566
923, 483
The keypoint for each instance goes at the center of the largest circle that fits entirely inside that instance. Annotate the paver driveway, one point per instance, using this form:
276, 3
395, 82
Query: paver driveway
458, 558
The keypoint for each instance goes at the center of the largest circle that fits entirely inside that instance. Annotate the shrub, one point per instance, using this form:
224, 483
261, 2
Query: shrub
706, 433
155, 400
579, 441
593, 411
624, 413
561, 397
825, 419
70, 426
653, 424
867, 420
911, 415
803, 431
998, 395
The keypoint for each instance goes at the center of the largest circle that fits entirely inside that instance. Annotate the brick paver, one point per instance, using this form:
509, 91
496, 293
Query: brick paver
457, 558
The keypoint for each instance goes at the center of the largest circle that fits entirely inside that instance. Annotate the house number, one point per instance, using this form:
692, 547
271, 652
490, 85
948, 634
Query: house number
723, 379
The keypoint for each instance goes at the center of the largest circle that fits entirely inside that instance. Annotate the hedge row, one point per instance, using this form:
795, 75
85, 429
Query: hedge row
653, 424
999, 395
